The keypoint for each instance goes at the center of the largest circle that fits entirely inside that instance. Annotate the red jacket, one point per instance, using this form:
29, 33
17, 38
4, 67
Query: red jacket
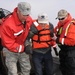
13, 33
66, 31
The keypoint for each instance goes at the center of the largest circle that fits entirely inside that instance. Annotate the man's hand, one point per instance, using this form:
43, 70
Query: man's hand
28, 49
55, 37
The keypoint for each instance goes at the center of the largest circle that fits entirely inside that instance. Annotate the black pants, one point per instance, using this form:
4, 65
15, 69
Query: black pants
67, 62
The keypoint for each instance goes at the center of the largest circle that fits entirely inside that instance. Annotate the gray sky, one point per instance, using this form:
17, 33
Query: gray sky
51, 7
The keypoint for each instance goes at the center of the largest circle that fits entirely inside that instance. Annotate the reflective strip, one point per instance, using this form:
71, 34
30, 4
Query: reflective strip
67, 29
20, 48
54, 45
57, 29
36, 24
60, 30
18, 33
62, 41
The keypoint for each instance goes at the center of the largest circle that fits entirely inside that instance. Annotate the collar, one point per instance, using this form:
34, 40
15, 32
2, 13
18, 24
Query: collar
15, 16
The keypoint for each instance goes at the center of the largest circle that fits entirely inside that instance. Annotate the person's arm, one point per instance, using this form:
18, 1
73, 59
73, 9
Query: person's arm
51, 29
9, 41
32, 32
53, 43
69, 38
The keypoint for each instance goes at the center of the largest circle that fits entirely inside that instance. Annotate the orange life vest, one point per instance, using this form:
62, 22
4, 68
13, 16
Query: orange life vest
42, 39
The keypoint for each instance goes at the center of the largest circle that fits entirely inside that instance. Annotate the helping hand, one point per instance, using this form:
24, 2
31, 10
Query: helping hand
28, 49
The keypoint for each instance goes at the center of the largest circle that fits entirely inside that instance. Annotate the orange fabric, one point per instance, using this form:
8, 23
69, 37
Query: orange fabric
42, 38
66, 22
70, 37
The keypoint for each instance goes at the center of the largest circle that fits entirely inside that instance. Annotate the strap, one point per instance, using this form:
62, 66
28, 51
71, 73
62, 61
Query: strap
72, 22
41, 41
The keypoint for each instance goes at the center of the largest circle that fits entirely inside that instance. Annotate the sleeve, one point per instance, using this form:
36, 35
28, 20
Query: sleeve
9, 41
33, 31
56, 29
70, 37
53, 43
51, 29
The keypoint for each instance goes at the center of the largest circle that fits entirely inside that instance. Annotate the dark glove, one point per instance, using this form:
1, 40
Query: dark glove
28, 49
56, 52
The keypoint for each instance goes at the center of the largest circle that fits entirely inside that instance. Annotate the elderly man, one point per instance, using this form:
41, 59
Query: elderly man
41, 33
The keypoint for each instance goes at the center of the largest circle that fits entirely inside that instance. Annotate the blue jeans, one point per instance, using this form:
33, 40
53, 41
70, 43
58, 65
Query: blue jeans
39, 59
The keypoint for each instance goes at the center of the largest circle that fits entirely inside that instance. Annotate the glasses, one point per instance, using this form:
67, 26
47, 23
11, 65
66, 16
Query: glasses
26, 15
61, 18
